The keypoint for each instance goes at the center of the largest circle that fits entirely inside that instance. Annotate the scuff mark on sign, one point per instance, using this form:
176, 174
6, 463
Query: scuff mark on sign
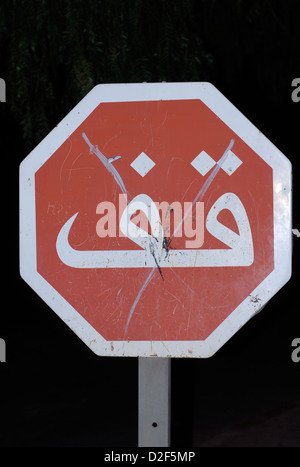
150, 276
107, 164
255, 299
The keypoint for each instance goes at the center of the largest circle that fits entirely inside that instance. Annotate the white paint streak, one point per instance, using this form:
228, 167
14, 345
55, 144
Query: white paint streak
107, 164
138, 297
113, 159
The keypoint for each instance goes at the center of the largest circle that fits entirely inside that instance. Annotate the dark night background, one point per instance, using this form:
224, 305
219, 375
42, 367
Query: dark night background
54, 391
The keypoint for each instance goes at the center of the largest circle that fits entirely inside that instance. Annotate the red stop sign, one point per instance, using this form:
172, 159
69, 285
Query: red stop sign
156, 219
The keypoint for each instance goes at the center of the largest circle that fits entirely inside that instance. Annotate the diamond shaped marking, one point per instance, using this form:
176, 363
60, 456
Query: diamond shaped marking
203, 163
231, 163
142, 164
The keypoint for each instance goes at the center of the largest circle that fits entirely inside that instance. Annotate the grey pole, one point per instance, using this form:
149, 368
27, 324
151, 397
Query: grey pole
2, 350
154, 402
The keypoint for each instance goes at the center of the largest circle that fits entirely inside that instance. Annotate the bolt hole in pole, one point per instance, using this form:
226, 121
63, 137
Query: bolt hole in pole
154, 401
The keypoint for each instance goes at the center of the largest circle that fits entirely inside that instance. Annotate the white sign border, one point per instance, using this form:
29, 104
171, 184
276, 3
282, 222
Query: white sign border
227, 112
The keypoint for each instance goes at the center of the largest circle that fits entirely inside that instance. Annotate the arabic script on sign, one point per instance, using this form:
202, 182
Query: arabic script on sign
152, 251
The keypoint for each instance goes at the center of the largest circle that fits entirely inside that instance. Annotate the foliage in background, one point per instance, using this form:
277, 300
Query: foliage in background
54, 52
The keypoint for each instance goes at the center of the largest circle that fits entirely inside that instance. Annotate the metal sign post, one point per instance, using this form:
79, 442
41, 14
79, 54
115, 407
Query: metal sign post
154, 402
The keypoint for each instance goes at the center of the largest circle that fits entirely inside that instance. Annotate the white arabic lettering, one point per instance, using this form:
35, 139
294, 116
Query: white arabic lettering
153, 253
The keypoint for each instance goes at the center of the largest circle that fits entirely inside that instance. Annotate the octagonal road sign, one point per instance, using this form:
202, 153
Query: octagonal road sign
155, 219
